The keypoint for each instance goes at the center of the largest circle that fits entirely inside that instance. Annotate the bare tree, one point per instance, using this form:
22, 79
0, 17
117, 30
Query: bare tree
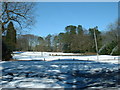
111, 39
27, 42
17, 12
113, 32
20, 14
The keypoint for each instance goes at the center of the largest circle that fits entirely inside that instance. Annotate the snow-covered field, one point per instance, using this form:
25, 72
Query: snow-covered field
60, 71
47, 56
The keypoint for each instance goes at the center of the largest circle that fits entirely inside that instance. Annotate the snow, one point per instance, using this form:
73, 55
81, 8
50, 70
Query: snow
47, 56
59, 71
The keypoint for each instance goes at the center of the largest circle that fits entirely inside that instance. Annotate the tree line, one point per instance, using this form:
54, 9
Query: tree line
18, 15
75, 39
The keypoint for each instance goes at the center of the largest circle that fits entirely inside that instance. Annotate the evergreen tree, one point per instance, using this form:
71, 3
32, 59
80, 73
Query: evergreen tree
80, 30
11, 37
70, 36
48, 42
80, 39
98, 37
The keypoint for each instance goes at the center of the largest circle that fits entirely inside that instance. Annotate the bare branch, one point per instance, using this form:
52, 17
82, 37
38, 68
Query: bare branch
20, 12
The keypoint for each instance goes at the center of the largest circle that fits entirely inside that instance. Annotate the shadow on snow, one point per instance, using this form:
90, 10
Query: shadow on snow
66, 73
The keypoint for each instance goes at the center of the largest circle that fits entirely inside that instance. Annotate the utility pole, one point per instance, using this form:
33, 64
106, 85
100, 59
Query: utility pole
96, 44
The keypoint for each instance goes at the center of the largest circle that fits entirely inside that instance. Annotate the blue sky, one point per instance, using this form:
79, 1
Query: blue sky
53, 17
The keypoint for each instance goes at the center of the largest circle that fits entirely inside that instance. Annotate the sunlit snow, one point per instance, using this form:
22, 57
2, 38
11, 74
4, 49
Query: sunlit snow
36, 70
